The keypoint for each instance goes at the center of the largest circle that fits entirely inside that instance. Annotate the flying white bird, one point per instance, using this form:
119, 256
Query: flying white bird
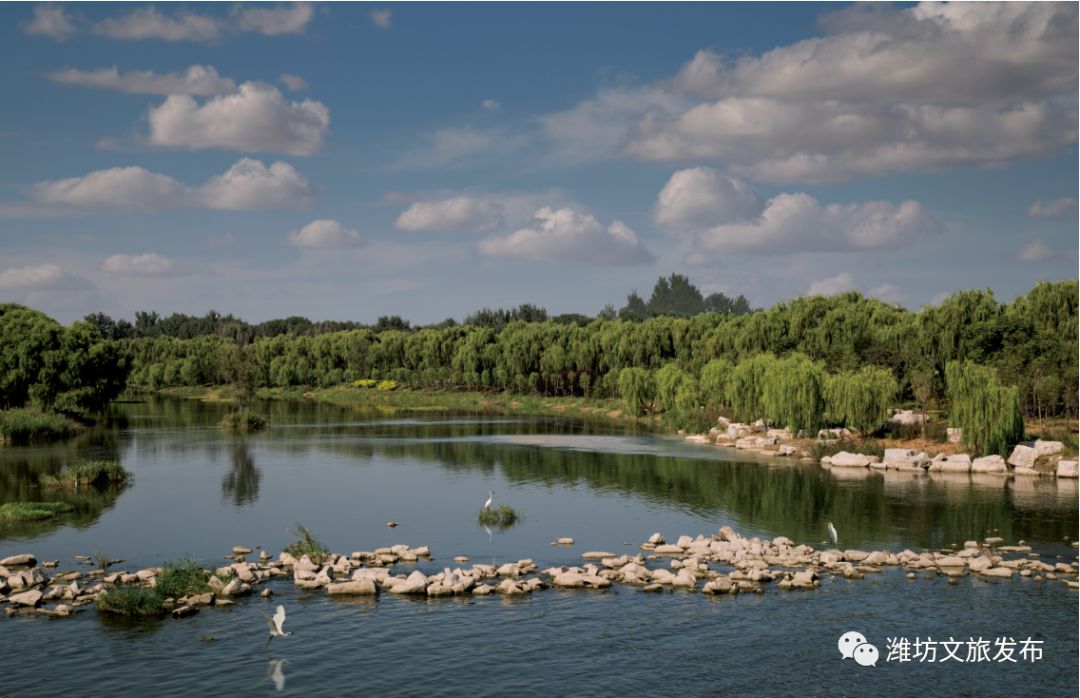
832, 533
275, 624
491, 496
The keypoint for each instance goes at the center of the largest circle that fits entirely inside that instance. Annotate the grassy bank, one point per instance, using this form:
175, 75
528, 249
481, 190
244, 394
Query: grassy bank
23, 426
32, 511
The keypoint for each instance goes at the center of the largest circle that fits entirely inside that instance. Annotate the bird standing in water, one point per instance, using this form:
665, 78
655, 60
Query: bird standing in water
832, 533
491, 496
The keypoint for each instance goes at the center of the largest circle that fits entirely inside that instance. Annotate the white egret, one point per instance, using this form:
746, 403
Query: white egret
275, 624
832, 533
491, 496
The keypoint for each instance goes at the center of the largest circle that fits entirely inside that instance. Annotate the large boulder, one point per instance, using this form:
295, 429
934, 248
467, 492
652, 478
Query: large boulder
356, 587
21, 559
27, 598
959, 463
907, 417
1023, 457
850, 460
905, 459
989, 464
1048, 448
1067, 468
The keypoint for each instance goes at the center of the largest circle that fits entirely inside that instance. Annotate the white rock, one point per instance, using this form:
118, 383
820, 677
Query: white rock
1067, 468
954, 435
1023, 456
989, 464
850, 460
356, 587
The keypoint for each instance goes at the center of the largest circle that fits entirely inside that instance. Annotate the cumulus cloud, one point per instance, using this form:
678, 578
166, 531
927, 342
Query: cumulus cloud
247, 185
44, 277
382, 18
255, 118
326, 234
196, 80
294, 83
148, 22
52, 21
566, 235
927, 87
1035, 251
720, 214
146, 264
701, 197
832, 285
1056, 208
458, 213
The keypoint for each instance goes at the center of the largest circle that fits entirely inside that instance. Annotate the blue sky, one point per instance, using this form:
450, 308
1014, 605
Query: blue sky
348, 161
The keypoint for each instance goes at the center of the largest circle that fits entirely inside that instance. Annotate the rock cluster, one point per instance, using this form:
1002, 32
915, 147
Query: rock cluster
1028, 459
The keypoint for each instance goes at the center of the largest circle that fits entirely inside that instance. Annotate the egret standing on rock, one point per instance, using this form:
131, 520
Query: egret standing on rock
491, 496
832, 533
275, 624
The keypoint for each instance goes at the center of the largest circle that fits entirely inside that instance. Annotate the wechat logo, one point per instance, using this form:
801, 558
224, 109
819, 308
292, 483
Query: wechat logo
853, 645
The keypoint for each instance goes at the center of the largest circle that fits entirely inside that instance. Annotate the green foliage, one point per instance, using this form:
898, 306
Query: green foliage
388, 385
26, 426
364, 383
987, 412
134, 602
792, 393
637, 388
861, 399
498, 516
714, 382
307, 544
182, 578
90, 473
32, 511
746, 387
243, 420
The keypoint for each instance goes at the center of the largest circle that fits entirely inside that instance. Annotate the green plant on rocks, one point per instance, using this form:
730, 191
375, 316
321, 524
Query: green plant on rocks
133, 602
498, 516
307, 544
89, 473
182, 578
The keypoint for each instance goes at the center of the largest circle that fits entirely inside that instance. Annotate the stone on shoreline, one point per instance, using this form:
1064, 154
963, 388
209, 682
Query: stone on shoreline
27, 598
959, 463
989, 464
20, 560
357, 587
1067, 468
849, 460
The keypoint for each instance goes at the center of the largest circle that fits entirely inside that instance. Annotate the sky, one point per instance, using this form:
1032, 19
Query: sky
347, 161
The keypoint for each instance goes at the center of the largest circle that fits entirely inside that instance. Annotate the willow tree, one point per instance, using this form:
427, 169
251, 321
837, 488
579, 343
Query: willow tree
746, 386
987, 412
792, 393
860, 399
668, 381
714, 380
637, 388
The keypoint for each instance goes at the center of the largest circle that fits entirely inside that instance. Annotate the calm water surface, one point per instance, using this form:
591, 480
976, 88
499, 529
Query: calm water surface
343, 474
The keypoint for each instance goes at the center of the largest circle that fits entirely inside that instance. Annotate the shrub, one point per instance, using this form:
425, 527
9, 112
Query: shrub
242, 420
387, 385
498, 516
23, 426
365, 383
182, 578
133, 602
32, 511
307, 544
89, 473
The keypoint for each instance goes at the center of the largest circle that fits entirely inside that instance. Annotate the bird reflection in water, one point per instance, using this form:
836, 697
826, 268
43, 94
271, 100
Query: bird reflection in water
275, 673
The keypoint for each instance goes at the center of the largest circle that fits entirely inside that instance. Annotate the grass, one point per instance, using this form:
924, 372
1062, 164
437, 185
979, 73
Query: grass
133, 602
307, 544
22, 426
92, 473
498, 516
32, 511
1063, 430
182, 578
242, 420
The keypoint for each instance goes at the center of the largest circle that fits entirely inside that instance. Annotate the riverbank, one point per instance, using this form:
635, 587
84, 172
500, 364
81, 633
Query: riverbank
20, 426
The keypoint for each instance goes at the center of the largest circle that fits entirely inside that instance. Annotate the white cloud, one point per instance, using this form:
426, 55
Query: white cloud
458, 213
290, 18
255, 118
566, 235
325, 233
150, 23
1035, 252
832, 285
51, 21
720, 215
247, 185
701, 197
382, 18
295, 83
133, 188
458, 147
251, 185
927, 87
44, 277
146, 264
890, 293
491, 105
196, 80
1056, 208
